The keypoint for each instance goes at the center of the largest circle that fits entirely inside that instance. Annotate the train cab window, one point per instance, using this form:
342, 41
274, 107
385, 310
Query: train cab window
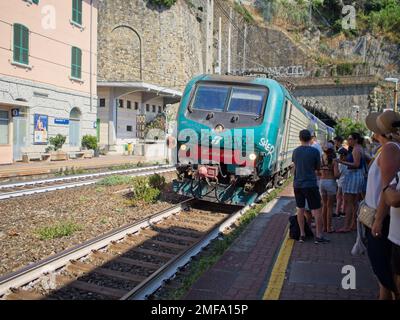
247, 101
210, 97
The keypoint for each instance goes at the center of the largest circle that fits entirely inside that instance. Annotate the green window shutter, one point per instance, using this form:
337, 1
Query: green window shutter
76, 63
77, 11
21, 44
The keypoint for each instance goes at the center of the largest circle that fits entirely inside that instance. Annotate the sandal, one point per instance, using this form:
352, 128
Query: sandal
332, 230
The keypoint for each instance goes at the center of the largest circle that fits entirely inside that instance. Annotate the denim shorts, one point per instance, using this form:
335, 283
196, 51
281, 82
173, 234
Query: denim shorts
328, 186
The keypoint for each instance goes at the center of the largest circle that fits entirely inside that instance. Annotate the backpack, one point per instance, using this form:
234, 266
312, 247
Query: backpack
294, 229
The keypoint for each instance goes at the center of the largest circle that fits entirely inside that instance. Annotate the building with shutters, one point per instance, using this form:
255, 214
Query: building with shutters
48, 67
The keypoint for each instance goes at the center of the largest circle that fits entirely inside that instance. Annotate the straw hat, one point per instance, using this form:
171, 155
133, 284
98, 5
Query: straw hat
387, 122
371, 122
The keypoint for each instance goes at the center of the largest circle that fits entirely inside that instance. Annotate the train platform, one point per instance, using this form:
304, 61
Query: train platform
264, 264
19, 169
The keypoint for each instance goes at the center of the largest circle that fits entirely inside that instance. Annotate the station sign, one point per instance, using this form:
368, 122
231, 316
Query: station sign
61, 121
15, 112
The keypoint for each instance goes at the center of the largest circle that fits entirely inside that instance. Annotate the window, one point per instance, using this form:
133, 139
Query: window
154, 108
3, 127
77, 11
76, 63
243, 100
159, 109
21, 44
147, 108
247, 101
102, 102
129, 128
128, 104
136, 106
210, 97
120, 103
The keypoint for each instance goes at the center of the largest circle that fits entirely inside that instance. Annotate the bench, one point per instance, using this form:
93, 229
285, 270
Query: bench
29, 156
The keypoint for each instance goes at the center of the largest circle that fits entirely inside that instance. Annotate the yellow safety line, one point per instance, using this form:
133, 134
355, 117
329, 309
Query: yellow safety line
277, 277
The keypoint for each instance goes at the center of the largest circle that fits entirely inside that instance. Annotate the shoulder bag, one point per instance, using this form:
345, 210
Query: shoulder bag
366, 215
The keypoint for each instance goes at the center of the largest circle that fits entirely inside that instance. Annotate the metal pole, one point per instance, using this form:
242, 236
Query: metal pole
219, 45
395, 99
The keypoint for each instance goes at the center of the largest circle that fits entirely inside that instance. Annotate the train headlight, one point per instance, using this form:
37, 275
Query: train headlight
184, 147
252, 156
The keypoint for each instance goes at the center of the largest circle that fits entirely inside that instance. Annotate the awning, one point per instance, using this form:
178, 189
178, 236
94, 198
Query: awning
12, 102
145, 87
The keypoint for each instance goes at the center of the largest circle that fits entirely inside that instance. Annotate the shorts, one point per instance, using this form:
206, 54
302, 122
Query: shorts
353, 182
311, 195
396, 259
328, 186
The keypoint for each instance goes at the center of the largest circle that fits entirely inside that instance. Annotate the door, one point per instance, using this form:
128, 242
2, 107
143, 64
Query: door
19, 136
74, 127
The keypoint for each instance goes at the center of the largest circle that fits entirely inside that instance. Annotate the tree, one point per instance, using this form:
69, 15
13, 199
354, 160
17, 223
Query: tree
346, 126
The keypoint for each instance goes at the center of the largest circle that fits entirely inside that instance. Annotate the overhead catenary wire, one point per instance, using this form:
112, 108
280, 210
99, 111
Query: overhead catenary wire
240, 34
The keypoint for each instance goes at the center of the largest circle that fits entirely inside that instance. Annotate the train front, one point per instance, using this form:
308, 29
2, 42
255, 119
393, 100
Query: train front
222, 144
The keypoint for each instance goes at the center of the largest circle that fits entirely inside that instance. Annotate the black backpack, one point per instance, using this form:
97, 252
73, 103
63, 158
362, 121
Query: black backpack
294, 229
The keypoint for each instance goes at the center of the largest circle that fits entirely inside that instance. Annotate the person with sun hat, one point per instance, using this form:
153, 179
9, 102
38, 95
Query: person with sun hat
381, 172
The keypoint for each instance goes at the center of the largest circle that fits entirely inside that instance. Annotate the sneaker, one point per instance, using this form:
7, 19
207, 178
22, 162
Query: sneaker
302, 239
321, 240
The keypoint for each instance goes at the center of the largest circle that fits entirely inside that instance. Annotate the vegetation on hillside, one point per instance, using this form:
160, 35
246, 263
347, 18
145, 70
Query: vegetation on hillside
163, 3
376, 16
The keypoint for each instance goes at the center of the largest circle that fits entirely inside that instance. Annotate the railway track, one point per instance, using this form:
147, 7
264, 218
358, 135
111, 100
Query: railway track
8, 191
131, 262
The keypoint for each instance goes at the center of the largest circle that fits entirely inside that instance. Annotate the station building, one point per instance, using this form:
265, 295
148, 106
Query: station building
48, 66
125, 106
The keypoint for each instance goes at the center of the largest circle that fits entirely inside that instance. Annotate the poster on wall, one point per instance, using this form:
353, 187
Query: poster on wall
40, 129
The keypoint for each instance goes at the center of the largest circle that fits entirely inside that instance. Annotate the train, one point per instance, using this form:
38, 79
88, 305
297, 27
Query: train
236, 136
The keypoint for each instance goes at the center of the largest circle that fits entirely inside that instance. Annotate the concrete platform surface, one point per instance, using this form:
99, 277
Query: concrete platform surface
263, 263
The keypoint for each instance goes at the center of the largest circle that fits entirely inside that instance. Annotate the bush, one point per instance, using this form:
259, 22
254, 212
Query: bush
58, 141
62, 229
89, 142
115, 180
143, 192
157, 181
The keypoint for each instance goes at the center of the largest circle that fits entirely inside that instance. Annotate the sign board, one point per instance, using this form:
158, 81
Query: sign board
15, 112
40, 132
61, 121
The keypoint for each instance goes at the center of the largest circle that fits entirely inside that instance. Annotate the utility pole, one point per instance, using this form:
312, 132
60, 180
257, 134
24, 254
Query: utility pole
219, 45
229, 40
244, 46
209, 37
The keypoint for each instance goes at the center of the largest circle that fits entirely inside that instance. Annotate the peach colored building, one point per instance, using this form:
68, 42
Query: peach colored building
48, 67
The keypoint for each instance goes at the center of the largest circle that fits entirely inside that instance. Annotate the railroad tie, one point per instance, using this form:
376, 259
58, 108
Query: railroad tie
19, 294
129, 261
162, 233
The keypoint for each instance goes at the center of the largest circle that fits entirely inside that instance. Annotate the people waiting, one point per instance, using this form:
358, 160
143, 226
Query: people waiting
307, 161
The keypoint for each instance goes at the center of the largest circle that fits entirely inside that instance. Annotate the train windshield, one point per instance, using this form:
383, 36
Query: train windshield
242, 100
210, 97
247, 101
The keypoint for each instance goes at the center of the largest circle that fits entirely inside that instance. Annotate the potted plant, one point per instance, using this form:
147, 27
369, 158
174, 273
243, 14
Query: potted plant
56, 144
89, 142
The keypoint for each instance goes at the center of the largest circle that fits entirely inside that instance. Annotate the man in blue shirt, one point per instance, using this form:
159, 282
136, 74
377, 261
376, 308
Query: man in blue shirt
307, 161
